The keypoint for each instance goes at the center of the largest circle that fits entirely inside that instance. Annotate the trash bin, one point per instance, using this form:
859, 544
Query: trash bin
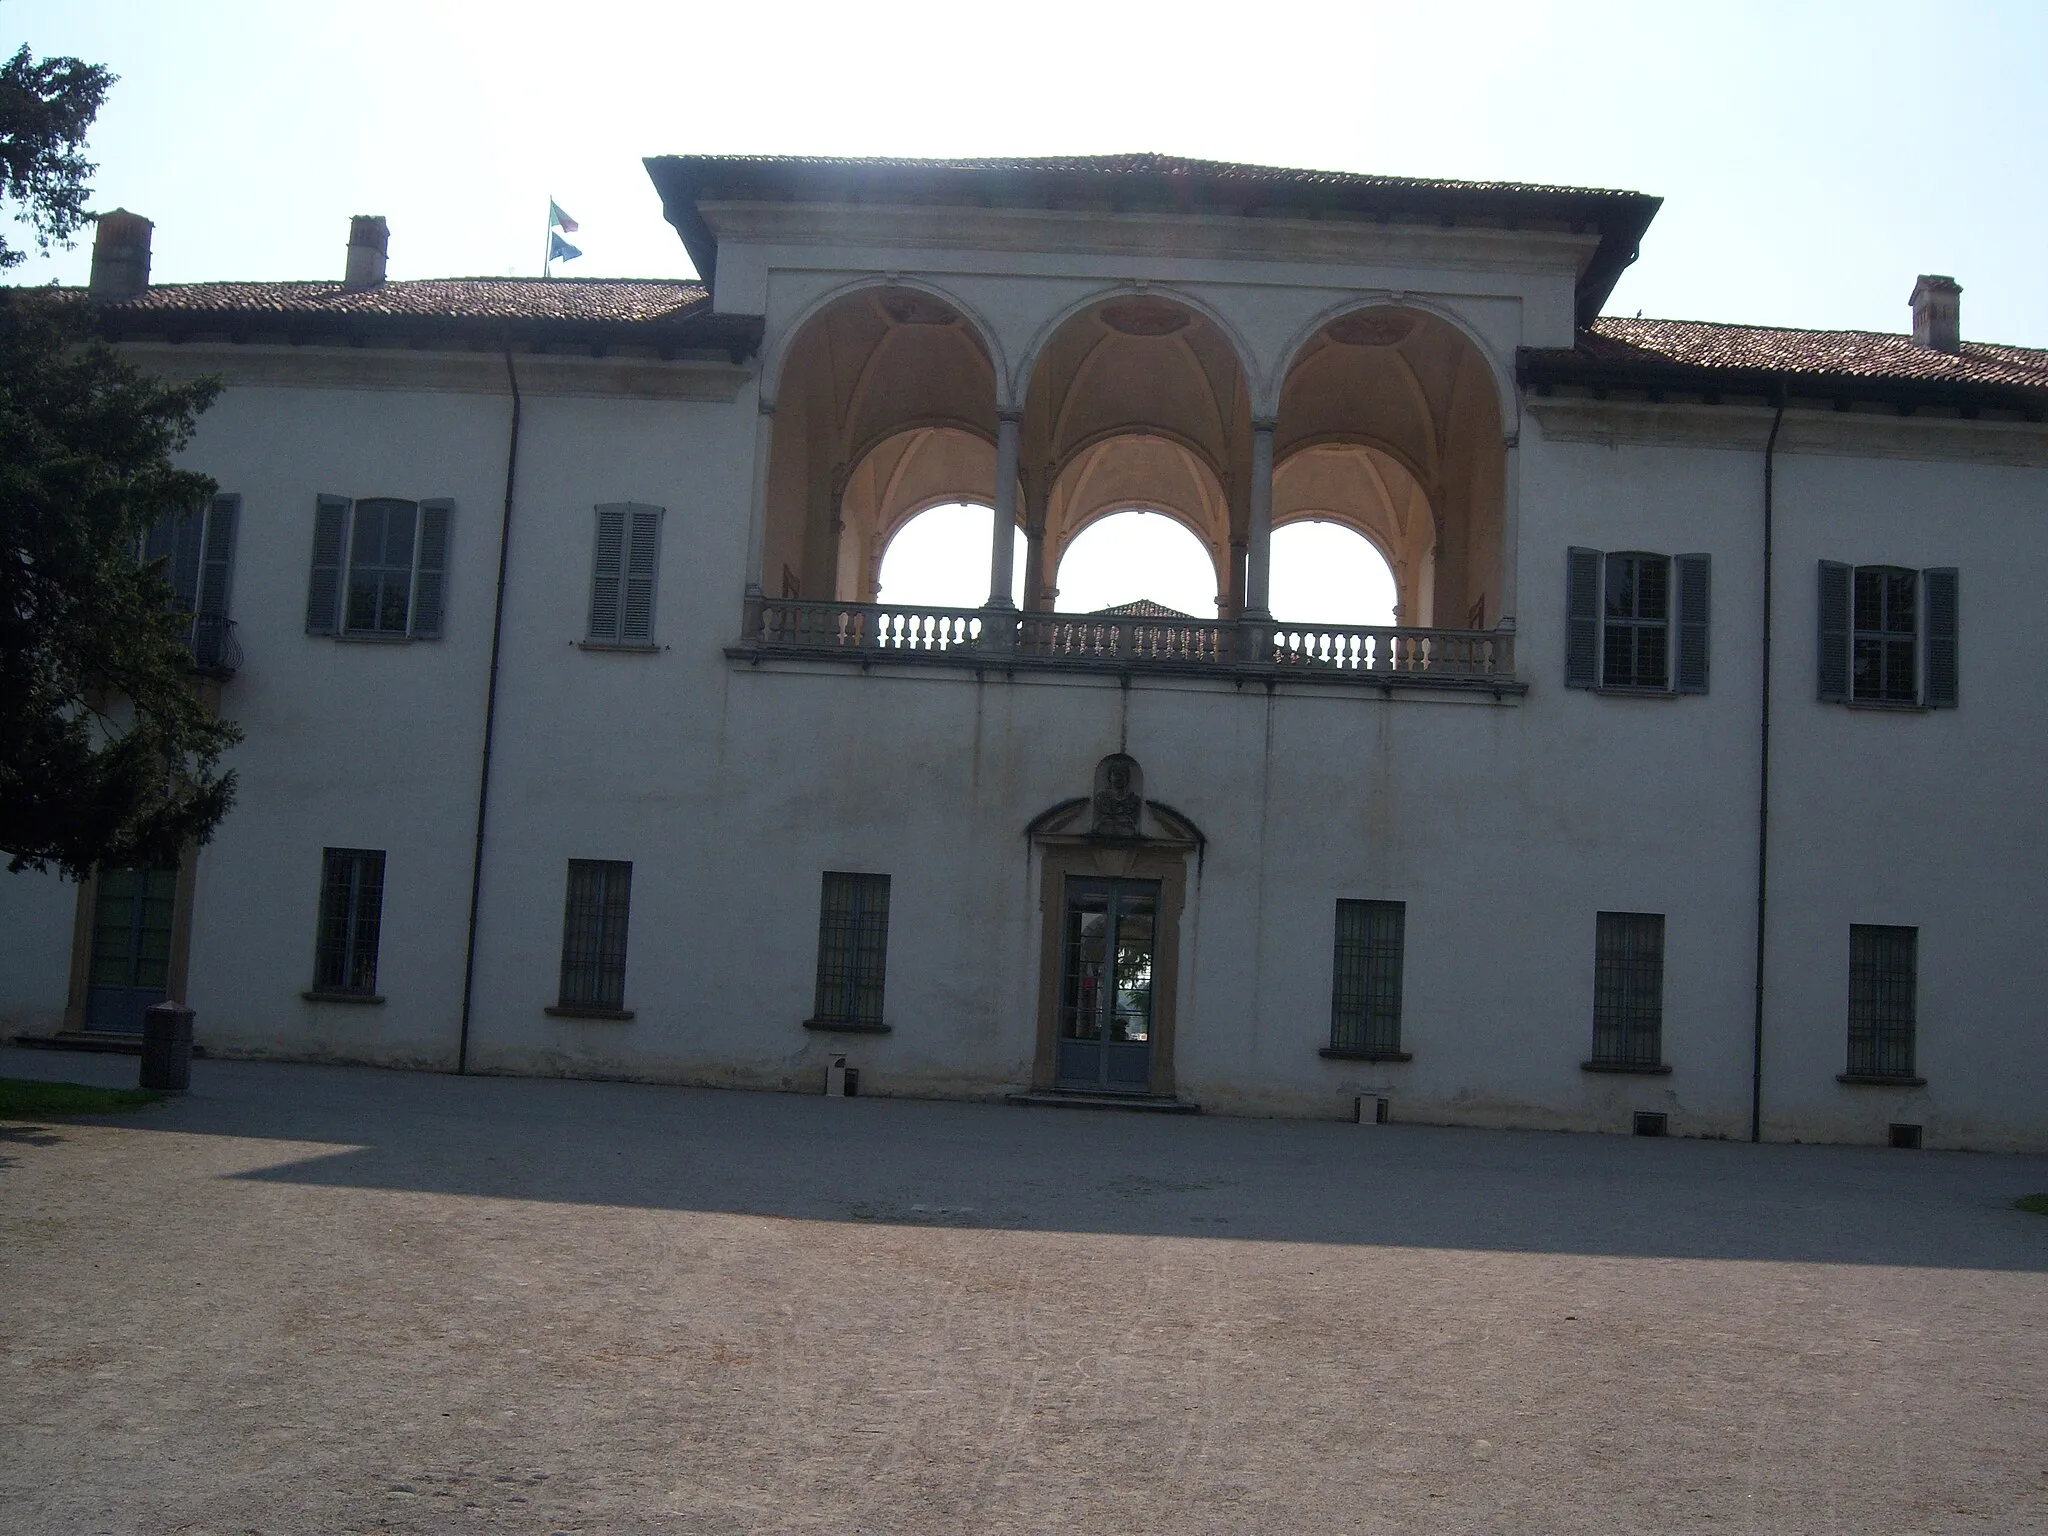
167, 1047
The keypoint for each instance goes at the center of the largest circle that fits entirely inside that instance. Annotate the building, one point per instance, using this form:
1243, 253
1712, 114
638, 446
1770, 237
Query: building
1698, 782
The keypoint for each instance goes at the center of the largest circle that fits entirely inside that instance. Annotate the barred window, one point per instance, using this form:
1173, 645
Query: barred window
853, 944
594, 935
1628, 990
1888, 635
1365, 1001
380, 567
1883, 977
351, 912
1636, 622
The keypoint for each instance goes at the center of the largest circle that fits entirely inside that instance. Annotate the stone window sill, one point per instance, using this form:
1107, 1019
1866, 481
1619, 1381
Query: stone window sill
1339, 1053
1878, 1080
1642, 693
345, 638
627, 647
317, 995
1625, 1069
583, 1011
846, 1027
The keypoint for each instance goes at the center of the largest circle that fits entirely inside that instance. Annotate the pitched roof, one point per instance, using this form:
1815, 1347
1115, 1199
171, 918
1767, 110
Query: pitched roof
661, 311
1141, 608
1876, 365
1149, 183
626, 300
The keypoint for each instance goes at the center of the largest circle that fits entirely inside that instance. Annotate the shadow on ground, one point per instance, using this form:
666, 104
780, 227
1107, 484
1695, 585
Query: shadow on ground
971, 1165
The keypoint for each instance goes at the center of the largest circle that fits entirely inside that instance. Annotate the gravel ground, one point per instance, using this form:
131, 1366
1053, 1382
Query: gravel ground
316, 1299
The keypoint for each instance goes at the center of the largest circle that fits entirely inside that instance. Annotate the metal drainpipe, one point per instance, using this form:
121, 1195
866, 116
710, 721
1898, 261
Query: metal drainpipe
1763, 799
483, 788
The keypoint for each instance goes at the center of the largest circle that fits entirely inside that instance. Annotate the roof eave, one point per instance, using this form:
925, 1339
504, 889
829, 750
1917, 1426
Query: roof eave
739, 336
1543, 369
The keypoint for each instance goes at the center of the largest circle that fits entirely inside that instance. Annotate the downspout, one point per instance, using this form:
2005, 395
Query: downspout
1763, 797
483, 788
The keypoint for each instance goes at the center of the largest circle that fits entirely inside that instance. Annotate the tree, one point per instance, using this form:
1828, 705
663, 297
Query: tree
107, 753
45, 110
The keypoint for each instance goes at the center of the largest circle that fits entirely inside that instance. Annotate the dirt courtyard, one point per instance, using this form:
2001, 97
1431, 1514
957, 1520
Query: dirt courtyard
316, 1299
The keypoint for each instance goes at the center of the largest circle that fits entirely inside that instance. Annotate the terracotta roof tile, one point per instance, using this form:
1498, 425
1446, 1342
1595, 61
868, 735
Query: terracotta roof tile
1141, 608
1832, 354
1137, 164
588, 299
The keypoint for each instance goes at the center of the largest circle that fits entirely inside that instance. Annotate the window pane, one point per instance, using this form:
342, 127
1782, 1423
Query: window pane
1882, 985
594, 925
1365, 1007
853, 935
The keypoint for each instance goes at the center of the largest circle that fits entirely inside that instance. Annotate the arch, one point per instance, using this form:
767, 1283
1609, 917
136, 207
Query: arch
1317, 589
1034, 350
965, 569
1508, 398
1133, 586
899, 478
775, 358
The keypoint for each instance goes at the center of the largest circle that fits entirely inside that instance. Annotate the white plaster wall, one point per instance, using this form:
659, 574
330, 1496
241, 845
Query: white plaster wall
36, 914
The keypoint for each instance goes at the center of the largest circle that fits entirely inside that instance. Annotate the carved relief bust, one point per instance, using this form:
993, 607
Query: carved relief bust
1119, 798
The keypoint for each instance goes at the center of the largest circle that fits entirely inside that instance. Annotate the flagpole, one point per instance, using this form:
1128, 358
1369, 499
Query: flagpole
547, 248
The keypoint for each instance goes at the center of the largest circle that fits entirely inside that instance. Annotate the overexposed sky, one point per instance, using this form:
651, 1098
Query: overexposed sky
1813, 157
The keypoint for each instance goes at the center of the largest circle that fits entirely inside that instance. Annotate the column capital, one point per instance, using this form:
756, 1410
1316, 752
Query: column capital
1009, 416
765, 406
1267, 424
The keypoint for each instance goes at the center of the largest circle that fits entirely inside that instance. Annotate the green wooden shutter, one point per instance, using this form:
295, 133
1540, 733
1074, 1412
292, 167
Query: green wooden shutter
643, 560
323, 588
1582, 618
607, 572
430, 569
218, 562
1834, 631
1942, 671
1690, 576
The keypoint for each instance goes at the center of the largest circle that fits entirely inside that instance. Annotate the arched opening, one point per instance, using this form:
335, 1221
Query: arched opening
1137, 561
886, 402
1136, 402
1390, 423
939, 558
1327, 573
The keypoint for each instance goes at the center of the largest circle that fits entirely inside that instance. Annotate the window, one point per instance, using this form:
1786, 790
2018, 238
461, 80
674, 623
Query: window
622, 574
351, 911
1628, 992
594, 936
198, 551
1888, 635
380, 568
1883, 972
1365, 992
853, 943
1635, 622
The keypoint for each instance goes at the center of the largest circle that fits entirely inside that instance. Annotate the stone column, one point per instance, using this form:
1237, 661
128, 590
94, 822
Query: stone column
757, 522
1003, 545
1259, 541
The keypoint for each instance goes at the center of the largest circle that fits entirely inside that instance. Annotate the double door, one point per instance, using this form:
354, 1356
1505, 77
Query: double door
131, 946
1109, 939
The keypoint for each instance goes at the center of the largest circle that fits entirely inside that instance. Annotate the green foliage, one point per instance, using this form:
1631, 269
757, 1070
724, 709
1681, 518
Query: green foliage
45, 109
2038, 1204
107, 754
23, 1098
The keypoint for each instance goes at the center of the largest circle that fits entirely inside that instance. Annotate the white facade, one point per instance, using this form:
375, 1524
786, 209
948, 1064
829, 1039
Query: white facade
1504, 818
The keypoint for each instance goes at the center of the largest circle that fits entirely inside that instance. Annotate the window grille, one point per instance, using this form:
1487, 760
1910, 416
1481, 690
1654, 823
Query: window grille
853, 943
594, 934
1365, 1003
351, 912
1883, 977
1628, 990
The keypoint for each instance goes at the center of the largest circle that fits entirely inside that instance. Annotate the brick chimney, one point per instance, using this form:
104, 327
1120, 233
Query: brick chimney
1938, 313
120, 255
368, 238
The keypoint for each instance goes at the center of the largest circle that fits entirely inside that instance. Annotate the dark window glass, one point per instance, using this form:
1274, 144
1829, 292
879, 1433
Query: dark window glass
594, 934
380, 564
1628, 990
1365, 1002
351, 911
1636, 627
1886, 641
1883, 972
853, 943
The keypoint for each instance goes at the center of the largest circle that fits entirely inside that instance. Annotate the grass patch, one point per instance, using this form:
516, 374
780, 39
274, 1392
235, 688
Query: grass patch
2038, 1204
20, 1096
